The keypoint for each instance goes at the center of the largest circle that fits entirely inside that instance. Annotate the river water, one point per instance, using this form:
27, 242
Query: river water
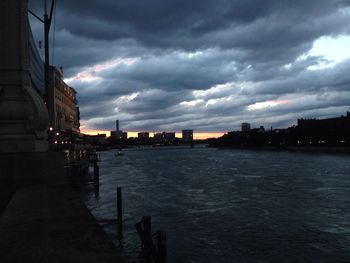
230, 205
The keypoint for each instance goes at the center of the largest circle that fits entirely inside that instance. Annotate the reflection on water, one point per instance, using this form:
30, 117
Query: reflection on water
229, 205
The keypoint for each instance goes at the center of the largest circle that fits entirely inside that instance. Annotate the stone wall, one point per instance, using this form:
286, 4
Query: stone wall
23, 114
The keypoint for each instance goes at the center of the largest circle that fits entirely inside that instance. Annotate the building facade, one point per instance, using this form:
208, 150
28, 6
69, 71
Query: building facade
66, 114
245, 127
118, 134
332, 131
164, 137
143, 136
187, 135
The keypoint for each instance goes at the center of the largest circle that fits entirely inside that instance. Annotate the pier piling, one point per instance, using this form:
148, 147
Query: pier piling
146, 220
147, 238
156, 249
162, 247
96, 172
119, 212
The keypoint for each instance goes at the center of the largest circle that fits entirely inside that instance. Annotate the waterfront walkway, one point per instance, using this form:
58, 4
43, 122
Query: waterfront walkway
47, 222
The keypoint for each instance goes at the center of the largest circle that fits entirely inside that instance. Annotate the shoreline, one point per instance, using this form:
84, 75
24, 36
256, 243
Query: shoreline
326, 150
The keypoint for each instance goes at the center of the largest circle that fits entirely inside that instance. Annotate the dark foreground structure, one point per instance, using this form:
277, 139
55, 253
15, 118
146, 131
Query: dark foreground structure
41, 218
45, 220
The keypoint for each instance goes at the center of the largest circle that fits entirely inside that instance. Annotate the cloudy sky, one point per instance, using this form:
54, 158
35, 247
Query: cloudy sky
205, 65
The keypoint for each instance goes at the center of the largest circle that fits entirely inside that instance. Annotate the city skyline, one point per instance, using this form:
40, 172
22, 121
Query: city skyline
178, 134
207, 67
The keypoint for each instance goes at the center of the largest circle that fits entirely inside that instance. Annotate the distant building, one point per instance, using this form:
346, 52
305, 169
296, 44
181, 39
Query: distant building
330, 131
124, 135
187, 135
315, 133
167, 137
158, 137
66, 114
261, 129
245, 127
143, 136
337, 123
95, 140
118, 134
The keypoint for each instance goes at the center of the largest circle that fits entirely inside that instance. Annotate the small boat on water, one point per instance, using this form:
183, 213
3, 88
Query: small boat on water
119, 153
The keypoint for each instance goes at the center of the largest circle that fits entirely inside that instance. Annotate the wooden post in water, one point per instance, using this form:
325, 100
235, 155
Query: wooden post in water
146, 229
147, 245
119, 212
161, 244
96, 172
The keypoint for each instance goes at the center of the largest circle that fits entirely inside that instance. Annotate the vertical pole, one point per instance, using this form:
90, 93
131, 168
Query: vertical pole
48, 90
47, 65
162, 249
96, 172
147, 237
120, 212
146, 228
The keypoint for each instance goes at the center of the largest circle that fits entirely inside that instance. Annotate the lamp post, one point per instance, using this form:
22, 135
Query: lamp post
49, 91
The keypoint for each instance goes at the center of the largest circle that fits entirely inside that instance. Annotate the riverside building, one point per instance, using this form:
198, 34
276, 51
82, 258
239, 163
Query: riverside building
164, 137
143, 136
245, 127
187, 135
66, 114
118, 134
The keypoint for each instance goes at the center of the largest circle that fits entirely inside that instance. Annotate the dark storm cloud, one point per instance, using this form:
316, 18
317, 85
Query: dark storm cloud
156, 20
336, 79
178, 70
152, 101
269, 29
199, 64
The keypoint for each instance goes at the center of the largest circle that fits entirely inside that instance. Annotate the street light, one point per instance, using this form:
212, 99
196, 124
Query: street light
47, 24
